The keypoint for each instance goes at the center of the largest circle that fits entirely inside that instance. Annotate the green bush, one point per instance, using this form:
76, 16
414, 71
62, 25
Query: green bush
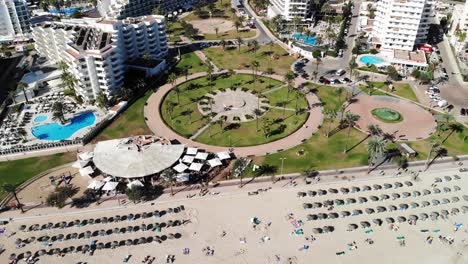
332, 53
373, 51
68, 92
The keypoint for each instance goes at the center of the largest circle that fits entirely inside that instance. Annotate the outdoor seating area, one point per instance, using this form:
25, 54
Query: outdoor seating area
198, 161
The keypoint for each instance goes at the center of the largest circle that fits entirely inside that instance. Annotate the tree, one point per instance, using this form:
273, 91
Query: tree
374, 130
349, 121
317, 62
135, 193
221, 120
157, 11
21, 87
266, 126
101, 100
289, 79
216, 31
223, 44
255, 65
454, 127
12, 95
237, 24
257, 113
352, 65
10, 188
168, 176
239, 41
393, 73
266, 169
375, 148
210, 71
58, 112
339, 91
434, 145
330, 115
231, 73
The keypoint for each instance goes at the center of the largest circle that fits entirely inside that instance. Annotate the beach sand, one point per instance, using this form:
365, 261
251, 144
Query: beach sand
232, 212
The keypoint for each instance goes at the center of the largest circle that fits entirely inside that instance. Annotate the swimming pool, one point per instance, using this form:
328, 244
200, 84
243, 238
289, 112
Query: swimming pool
66, 11
305, 39
371, 60
40, 118
56, 131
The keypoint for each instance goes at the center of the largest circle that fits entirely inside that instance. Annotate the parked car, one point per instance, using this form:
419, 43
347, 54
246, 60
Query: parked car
305, 60
335, 81
340, 72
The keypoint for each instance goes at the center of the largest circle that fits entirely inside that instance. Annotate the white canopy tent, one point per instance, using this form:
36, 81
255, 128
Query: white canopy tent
191, 151
134, 183
196, 166
110, 186
188, 159
86, 156
80, 164
215, 162
180, 167
201, 156
223, 155
86, 171
96, 185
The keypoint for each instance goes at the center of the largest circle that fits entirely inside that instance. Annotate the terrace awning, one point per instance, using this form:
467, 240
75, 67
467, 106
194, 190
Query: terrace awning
86, 156
196, 166
201, 156
80, 164
180, 167
86, 171
223, 155
215, 162
110, 186
191, 151
96, 185
188, 159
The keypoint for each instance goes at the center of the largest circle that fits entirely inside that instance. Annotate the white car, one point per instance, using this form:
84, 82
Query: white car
340, 72
429, 92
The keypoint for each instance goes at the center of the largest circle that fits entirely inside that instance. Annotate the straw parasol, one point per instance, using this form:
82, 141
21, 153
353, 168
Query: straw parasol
387, 186
365, 224
377, 186
456, 177
322, 216
447, 189
12, 256
317, 230
381, 209
423, 216
22, 228
445, 201
455, 199
455, 211
366, 188
413, 217
357, 212
384, 197
345, 213
404, 206
416, 193
312, 217
435, 202
447, 178
436, 190
18, 241
339, 201
408, 183
329, 229
114, 244
41, 252
362, 200
425, 203
437, 179
392, 208
333, 215
465, 197
444, 212
128, 242
374, 198
406, 194
351, 200
426, 192
370, 211
317, 205
377, 221
456, 188
434, 215
306, 205
311, 193
398, 184
355, 189
332, 190
390, 220
395, 195
414, 205
352, 227
322, 192
344, 190
464, 209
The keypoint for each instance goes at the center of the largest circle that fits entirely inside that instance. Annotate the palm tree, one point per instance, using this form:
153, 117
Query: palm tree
339, 91
237, 24
216, 31
454, 127
221, 121
257, 113
434, 145
168, 176
374, 130
210, 71
317, 62
188, 113
10, 188
255, 65
101, 100
21, 87
239, 41
288, 78
254, 46
62, 66
12, 95
375, 148
58, 112
352, 65
223, 44
172, 78
231, 73
330, 116
349, 121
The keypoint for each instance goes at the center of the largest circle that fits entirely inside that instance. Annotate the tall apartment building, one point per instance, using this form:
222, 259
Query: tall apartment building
121, 9
14, 19
401, 24
289, 9
99, 51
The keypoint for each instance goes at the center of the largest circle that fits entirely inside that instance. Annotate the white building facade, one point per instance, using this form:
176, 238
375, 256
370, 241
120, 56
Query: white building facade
401, 24
289, 9
97, 51
14, 19
121, 9
460, 25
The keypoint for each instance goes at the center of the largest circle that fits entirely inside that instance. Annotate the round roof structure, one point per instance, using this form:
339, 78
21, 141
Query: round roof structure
135, 157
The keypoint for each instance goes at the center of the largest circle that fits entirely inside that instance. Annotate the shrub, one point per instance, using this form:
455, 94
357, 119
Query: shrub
264, 107
236, 118
244, 89
249, 117
373, 51
205, 109
68, 92
332, 53
203, 103
222, 89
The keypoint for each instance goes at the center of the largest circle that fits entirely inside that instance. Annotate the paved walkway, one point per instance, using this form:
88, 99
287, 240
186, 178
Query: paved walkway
158, 127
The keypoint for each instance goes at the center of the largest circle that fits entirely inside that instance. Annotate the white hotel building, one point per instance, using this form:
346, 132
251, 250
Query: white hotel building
14, 19
289, 9
121, 9
99, 51
401, 24
459, 22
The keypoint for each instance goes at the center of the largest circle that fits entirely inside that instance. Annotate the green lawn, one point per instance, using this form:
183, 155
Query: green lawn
405, 90
247, 134
174, 30
19, 171
276, 58
186, 119
283, 98
191, 60
231, 34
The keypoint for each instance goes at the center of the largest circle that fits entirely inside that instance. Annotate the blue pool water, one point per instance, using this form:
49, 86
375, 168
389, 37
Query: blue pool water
55, 131
40, 118
305, 39
66, 11
371, 60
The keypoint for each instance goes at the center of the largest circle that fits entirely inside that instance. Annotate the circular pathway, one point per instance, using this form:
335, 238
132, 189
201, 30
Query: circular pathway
417, 123
158, 127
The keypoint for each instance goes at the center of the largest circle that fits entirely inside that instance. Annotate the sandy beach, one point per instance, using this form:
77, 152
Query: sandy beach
273, 227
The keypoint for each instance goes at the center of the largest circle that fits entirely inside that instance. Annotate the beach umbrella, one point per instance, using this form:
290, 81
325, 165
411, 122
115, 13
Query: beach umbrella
170, 236
384, 197
390, 220
44, 226
435, 202
366, 188
413, 217
53, 238
60, 237
456, 177
70, 224
339, 202
374, 198
114, 244
447, 190
377, 221
177, 235
18, 241
344, 190
111, 219
311, 193
74, 235
91, 221
455, 211
355, 189
328, 202
398, 184
322, 192
102, 232
85, 248
100, 245
143, 227
436, 190
104, 220
306, 205
28, 254
416, 193
387, 186
408, 183
317, 230
423, 216
144, 215
56, 251
465, 197
76, 222
357, 212
455, 199
43, 238
414, 205
447, 178
350, 200
406, 194
301, 194
392, 208
345, 213
12, 256
22, 228
170, 223
31, 239
163, 237
317, 205
464, 209
445, 201
312, 217
333, 215
425, 203
434, 215
362, 200
370, 211
426, 192
63, 225
41, 252
322, 216
437, 179
381, 209
129, 242
444, 212
377, 186
352, 227
329, 229
88, 234
332, 190
117, 218
395, 195
403, 206
365, 224
456, 188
